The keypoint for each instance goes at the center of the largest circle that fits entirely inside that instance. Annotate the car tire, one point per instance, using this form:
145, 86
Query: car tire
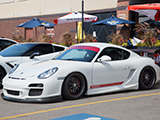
73, 86
147, 78
2, 74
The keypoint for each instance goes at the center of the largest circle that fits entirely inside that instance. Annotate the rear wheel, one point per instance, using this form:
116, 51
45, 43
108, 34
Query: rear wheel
2, 74
147, 78
74, 86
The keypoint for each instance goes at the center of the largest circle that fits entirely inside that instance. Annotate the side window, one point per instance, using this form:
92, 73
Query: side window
126, 54
57, 48
5, 43
115, 53
41, 48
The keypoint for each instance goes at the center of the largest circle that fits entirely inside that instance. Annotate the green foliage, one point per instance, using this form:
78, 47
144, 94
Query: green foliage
46, 38
16, 35
158, 43
66, 39
116, 39
148, 35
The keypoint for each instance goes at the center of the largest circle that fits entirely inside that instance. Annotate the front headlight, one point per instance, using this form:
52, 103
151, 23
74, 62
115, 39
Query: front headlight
47, 73
13, 69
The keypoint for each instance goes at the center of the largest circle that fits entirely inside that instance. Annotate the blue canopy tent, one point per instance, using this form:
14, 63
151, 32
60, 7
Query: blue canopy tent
35, 23
113, 21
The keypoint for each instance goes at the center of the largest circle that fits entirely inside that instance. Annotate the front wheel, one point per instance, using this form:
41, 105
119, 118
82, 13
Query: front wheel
74, 86
147, 78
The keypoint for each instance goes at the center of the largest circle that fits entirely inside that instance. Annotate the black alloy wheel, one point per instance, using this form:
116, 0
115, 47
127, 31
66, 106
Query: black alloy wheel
74, 86
147, 78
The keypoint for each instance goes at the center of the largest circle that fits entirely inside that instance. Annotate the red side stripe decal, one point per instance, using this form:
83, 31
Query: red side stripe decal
106, 85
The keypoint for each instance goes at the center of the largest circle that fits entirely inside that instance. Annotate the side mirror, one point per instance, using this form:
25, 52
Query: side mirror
104, 58
34, 54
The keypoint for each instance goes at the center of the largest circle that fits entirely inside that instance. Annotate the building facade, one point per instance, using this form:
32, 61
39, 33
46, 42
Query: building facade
14, 12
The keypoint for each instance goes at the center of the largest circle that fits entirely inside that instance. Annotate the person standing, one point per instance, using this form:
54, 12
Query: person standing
158, 33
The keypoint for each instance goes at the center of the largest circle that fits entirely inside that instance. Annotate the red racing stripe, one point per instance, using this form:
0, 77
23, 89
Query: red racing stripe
106, 85
86, 48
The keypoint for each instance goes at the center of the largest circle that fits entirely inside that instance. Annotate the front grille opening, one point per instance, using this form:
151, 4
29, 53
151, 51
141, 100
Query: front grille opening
36, 85
11, 92
35, 92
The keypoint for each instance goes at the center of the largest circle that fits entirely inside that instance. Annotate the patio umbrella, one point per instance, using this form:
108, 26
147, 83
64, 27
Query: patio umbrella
113, 21
151, 10
75, 17
35, 23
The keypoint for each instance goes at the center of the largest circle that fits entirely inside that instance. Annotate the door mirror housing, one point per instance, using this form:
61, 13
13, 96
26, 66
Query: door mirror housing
34, 54
104, 58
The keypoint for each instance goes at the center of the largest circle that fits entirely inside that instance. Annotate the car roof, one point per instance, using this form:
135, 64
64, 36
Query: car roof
8, 39
98, 44
33, 43
38, 43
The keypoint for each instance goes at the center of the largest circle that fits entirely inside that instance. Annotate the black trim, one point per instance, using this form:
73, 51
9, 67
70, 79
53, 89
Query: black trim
33, 100
136, 2
10, 65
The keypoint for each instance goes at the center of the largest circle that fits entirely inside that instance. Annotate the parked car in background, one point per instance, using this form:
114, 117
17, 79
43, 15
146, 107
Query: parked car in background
26, 52
5, 42
87, 68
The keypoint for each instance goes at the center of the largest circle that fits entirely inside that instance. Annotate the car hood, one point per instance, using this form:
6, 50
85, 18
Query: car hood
28, 70
11, 60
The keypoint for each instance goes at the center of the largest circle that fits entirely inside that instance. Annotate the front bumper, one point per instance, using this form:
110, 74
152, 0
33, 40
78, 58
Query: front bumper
33, 100
31, 89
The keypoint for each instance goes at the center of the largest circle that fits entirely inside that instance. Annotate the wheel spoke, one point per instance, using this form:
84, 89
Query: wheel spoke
147, 78
74, 85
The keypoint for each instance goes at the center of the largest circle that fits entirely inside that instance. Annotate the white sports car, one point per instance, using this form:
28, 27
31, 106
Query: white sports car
26, 52
86, 68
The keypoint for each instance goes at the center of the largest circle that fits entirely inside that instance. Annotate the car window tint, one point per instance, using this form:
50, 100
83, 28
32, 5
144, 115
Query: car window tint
77, 55
57, 48
16, 50
40, 48
115, 53
126, 54
5, 43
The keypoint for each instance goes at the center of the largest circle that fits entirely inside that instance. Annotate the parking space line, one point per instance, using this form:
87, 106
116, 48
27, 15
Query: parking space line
78, 105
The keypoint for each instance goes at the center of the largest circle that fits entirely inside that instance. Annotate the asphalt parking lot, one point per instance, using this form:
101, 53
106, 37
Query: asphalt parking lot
128, 105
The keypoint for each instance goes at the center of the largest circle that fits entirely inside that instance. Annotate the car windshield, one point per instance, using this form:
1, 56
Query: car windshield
79, 53
16, 50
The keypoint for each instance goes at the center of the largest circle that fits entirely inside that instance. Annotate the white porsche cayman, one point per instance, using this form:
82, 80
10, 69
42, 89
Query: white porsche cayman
86, 68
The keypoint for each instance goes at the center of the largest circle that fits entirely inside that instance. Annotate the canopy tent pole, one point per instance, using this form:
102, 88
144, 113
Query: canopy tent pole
77, 31
82, 19
36, 34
